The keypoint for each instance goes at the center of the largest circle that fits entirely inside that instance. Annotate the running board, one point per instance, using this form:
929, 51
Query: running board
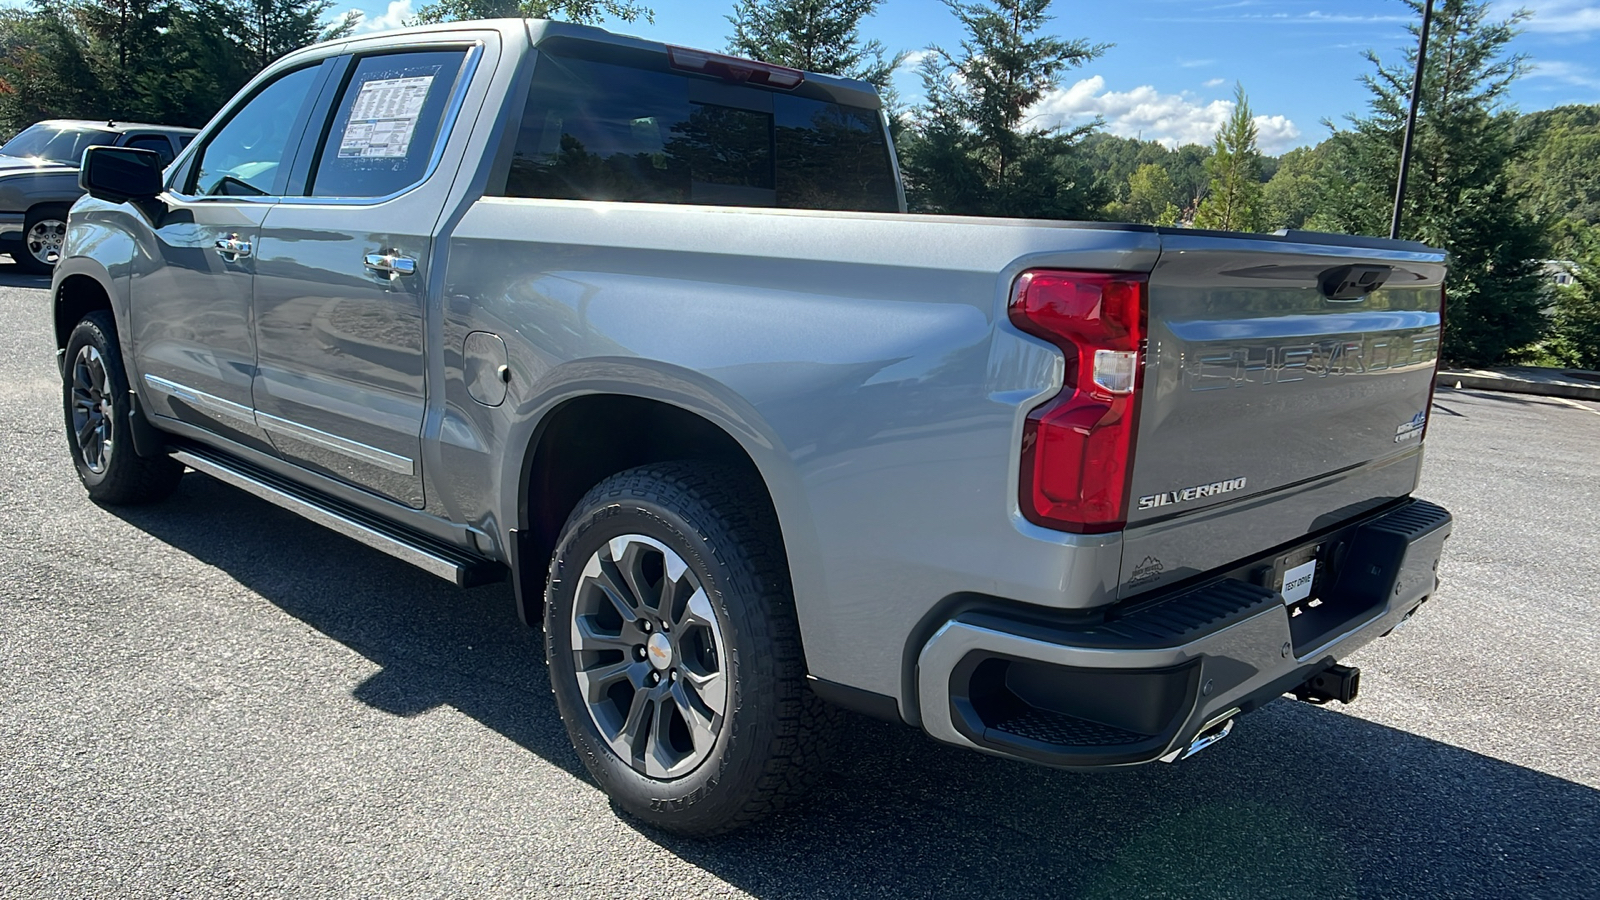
427, 554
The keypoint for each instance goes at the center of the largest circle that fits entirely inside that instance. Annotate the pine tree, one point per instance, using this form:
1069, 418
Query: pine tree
972, 149
125, 39
1234, 201
812, 35
1460, 194
584, 12
267, 29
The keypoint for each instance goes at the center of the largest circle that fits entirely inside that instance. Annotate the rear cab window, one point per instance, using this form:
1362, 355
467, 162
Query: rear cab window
154, 142
601, 130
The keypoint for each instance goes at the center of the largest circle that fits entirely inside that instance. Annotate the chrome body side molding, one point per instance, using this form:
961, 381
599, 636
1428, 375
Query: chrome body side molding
383, 459
208, 402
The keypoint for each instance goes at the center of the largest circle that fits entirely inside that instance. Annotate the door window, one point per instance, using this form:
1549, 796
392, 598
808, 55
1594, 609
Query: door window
387, 123
156, 142
248, 156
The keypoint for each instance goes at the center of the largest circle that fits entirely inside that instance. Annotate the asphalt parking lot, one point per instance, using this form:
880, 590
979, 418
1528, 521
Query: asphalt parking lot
214, 698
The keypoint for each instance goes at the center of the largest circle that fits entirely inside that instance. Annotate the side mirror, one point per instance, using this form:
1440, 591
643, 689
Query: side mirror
120, 174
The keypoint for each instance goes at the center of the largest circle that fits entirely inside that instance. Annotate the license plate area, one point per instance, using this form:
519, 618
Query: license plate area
1323, 607
1301, 575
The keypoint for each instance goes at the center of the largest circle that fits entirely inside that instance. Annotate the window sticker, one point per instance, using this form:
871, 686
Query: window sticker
384, 118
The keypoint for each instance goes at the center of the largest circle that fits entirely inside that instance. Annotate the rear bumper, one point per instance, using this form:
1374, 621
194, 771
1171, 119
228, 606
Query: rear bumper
1148, 678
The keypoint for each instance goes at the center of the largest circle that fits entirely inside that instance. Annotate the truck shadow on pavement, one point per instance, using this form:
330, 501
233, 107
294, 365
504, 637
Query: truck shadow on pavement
1300, 802
12, 275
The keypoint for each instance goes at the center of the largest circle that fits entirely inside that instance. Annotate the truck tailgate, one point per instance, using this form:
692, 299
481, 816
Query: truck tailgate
1273, 403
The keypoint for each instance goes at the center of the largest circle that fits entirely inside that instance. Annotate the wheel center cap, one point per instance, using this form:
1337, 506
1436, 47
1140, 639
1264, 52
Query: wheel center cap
659, 649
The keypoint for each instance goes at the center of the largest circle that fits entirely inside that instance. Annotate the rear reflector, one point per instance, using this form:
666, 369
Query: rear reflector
732, 68
1077, 448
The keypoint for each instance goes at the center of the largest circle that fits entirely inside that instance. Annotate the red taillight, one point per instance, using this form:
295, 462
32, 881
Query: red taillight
732, 68
1077, 449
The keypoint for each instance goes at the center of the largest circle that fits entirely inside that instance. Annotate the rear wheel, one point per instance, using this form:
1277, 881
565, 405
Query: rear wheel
44, 233
95, 399
674, 651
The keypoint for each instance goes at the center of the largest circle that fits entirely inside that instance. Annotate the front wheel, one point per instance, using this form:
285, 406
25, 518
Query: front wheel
674, 652
97, 404
44, 234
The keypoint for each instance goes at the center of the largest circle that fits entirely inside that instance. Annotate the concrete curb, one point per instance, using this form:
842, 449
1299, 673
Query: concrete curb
1524, 380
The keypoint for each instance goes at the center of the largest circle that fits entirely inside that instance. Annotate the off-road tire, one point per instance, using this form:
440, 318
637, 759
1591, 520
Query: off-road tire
126, 478
775, 731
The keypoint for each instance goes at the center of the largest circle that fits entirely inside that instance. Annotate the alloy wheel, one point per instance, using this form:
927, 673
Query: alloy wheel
649, 656
45, 240
91, 409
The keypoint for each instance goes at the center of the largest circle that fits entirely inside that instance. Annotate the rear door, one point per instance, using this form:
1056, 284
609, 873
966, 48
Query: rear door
341, 294
1274, 403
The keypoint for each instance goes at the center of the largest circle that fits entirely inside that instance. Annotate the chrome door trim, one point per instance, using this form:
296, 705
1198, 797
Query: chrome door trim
383, 459
372, 456
202, 400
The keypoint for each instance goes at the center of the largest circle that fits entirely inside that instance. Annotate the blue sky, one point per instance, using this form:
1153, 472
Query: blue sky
1171, 73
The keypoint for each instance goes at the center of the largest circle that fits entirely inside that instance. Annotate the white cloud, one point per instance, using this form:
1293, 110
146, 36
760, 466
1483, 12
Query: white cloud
1558, 16
1171, 119
915, 58
1565, 73
1195, 63
1215, 82
396, 16
1314, 17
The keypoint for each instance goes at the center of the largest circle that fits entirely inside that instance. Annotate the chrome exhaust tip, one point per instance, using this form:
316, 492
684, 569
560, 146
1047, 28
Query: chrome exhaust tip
1214, 731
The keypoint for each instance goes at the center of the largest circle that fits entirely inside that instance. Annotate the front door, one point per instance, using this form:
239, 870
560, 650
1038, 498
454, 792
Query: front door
341, 292
191, 299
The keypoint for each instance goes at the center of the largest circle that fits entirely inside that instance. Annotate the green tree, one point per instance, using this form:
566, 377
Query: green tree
971, 149
267, 29
1559, 177
45, 71
1234, 201
813, 35
584, 12
1150, 198
169, 61
1294, 193
203, 65
124, 39
1460, 195
1114, 159
1576, 328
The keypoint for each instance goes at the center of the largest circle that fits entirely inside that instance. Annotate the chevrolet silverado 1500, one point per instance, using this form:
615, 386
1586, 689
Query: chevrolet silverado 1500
648, 331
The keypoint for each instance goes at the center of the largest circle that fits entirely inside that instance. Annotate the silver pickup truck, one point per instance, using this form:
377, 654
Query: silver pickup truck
648, 331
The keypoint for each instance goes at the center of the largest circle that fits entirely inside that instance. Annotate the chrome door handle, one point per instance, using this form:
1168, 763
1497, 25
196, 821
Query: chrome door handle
232, 249
390, 264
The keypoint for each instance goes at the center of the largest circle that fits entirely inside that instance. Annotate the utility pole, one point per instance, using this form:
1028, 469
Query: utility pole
1411, 121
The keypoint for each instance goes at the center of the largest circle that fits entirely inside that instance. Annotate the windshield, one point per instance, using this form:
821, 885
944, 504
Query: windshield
57, 143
